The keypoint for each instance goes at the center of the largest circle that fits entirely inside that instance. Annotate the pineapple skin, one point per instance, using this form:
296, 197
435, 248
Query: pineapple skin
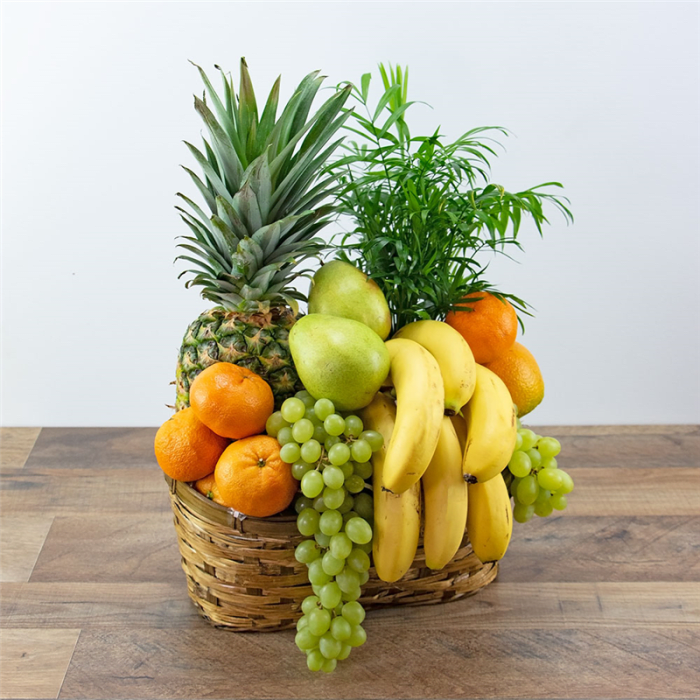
258, 341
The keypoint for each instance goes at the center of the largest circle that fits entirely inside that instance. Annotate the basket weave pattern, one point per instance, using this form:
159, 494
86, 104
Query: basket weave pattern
242, 574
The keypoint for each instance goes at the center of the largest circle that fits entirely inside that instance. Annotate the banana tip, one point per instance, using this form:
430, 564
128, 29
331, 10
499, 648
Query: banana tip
470, 479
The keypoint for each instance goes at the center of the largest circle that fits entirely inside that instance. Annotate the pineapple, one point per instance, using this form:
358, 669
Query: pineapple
264, 186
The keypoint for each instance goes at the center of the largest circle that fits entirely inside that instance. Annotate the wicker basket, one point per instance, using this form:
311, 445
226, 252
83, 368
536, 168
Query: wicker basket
242, 574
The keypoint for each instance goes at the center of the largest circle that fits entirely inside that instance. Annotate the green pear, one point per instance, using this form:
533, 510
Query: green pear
339, 359
340, 289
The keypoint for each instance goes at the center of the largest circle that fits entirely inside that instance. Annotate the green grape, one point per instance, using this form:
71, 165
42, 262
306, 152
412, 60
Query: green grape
352, 596
543, 509
330, 595
543, 495
307, 399
303, 502
302, 394
347, 505
358, 636
354, 613
274, 423
349, 516
338, 609
316, 589
364, 577
315, 660
300, 468
348, 469
567, 483
549, 447
518, 442
364, 506
345, 652
550, 463
302, 622
520, 464
361, 451
306, 552
290, 452
334, 424
527, 490
322, 539
311, 415
514, 487
355, 484
358, 530
364, 470
320, 434
341, 629
331, 565
311, 450
293, 409
329, 665
318, 576
341, 546
333, 498
523, 513
375, 439
330, 522
311, 484
303, 430
324, 408
353, 426
305, 639
357, 560
319, 621
320, 504
529, 439
333, 477
285, 435
550, 479
348, 580
558, 501
366, 548
339, 454
309, 603
330, 441
535, 457
307, 522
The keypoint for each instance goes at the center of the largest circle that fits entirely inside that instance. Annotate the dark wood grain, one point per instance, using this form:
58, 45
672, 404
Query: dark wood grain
602, 601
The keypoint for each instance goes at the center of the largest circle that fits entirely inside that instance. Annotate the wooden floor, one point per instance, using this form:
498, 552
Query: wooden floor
600, 602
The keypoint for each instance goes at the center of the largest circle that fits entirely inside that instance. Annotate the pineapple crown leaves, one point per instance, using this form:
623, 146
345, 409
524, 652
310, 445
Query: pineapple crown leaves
263, 181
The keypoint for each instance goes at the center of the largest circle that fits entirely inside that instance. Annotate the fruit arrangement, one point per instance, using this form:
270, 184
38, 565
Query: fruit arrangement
389, 413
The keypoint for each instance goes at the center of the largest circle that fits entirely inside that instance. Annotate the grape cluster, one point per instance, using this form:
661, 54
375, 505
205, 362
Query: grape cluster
330, 455
537, 485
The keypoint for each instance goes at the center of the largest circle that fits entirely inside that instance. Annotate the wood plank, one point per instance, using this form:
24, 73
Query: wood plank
500, 606
34, 661
94, 448
594, 548
15, 446
110, 548
407, 662
635, 490
64, 491
616, 430
21, 540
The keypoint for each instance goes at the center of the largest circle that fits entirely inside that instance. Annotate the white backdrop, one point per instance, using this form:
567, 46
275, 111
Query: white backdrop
97, 98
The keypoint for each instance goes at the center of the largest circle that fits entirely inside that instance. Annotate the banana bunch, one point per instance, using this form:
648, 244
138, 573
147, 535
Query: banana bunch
396, 516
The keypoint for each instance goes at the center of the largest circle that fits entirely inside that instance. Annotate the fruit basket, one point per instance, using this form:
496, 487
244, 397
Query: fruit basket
242, 574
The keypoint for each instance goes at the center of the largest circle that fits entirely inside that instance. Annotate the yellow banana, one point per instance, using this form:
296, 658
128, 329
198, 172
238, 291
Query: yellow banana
491, 428
490, 519
453, 355
420, 398
444, 500
396, 516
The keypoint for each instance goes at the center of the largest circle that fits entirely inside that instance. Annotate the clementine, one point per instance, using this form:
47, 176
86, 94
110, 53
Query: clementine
520, 373
231, 400
253, 479
186, 449
207, 487
489, 328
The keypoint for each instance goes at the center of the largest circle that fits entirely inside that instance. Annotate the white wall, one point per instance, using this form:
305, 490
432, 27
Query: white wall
96, 99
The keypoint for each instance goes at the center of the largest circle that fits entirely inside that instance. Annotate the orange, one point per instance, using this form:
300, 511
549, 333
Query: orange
489, 328
207, 486
252, 478
519, 371
232, 400
186, 449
